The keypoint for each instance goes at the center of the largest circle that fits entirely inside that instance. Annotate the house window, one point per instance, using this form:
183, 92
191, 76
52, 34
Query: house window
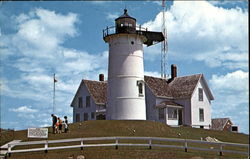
93, 115
77, 117
161, 114
234, 128
200, 94
201, 112
85, 116
79, 102
87, 101
140, 88
172, 113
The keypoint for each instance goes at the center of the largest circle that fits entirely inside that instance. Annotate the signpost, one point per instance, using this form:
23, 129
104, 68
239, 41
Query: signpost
37, 132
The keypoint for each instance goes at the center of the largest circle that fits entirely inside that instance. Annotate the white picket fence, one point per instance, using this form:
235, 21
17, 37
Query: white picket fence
117, 141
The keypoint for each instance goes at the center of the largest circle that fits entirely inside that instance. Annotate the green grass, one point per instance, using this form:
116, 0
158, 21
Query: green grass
104, 128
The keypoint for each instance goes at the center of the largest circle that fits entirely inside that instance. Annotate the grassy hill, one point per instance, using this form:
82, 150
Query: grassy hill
103, 128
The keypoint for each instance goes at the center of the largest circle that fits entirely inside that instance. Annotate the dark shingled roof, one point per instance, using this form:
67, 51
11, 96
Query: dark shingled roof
180, 87
97, 90
183, 87
158, 86
219, 123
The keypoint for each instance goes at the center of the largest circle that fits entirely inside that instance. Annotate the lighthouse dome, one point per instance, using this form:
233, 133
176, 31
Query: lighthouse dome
125, 23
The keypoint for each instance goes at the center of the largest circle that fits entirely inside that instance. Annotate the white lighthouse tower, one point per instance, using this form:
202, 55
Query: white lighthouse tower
126, 93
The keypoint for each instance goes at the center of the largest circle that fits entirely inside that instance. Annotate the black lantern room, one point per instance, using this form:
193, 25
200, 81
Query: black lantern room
125, 23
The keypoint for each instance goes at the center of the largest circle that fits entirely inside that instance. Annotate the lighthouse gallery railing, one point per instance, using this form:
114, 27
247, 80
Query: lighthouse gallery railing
112, 30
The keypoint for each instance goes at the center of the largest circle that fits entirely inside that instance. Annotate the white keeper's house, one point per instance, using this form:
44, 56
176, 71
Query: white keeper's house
177, 101
129, 95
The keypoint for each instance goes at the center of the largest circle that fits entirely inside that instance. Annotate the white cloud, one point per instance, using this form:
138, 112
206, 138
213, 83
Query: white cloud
27, 65
235, 81
23, 109
226, 2
34, 53
226, 57
231, 97
40, 33
197, 30
38, 46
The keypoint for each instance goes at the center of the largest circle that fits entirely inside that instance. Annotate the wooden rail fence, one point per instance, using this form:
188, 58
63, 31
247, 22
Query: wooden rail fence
117, 141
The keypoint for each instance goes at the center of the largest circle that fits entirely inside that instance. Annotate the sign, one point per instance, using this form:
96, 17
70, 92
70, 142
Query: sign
37, 132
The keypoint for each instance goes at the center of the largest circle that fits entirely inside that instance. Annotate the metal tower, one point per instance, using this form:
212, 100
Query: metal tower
164, 43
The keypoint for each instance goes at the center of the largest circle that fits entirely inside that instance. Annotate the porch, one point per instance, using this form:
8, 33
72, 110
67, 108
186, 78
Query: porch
170, 113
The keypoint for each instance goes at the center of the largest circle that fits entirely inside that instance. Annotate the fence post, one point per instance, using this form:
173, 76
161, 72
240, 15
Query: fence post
46, 146
9, 150
186, 145
81, 144
150, 143
116, 143
221, 150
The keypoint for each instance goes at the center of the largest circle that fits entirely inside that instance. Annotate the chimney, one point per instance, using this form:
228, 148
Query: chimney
101, 77
173, 71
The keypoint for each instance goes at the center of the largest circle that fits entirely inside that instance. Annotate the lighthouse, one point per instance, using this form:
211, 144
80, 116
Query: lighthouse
126, 87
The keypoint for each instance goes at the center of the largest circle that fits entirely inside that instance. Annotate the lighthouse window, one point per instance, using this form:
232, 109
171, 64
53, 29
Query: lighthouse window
140, 88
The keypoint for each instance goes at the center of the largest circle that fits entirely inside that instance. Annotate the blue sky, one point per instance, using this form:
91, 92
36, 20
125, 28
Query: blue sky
39, 39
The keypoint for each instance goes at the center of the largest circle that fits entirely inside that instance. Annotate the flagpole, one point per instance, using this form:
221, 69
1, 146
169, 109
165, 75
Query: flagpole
54, 93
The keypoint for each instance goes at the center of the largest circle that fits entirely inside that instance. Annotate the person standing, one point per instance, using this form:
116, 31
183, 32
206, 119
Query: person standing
57, 127
54, 120
60, 125
66, 126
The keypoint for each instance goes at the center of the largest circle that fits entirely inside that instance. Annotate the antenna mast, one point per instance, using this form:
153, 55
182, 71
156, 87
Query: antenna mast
164, 44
